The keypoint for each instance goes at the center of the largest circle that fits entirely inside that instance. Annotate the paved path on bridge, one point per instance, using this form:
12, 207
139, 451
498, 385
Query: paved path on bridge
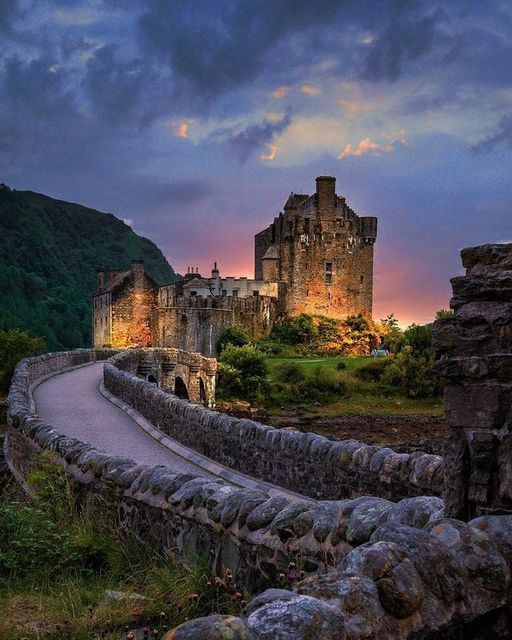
71, 403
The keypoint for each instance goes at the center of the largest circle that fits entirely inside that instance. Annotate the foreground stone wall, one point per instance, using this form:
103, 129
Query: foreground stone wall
475, 359
253, 534
302, 462
373, 568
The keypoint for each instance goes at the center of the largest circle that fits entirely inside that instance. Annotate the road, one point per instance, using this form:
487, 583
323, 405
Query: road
72, 403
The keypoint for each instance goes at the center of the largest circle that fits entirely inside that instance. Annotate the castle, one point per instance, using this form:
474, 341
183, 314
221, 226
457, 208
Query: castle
316, 257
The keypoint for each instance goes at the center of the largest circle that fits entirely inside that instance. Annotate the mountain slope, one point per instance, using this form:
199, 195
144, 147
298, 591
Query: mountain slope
49, 253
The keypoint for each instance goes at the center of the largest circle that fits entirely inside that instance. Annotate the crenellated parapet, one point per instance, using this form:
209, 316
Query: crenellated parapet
475, 361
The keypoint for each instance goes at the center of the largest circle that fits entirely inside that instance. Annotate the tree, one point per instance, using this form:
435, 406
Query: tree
14, 346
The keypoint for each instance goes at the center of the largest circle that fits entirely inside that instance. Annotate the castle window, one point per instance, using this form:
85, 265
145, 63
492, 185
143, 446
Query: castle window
255, 293
338, 222
224, 292
306, 225
289, 227
235, 293
328, 272
362, 279
193, 293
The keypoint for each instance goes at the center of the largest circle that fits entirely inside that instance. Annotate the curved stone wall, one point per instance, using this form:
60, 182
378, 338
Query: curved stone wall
302, 462
252, 533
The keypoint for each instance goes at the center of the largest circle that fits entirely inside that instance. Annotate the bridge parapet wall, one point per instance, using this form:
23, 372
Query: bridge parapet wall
385, 570
302, 462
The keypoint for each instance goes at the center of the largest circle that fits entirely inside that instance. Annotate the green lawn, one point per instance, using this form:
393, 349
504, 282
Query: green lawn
364, 397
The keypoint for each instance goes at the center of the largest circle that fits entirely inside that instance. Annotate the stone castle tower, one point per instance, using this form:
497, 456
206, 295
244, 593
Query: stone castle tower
322, 251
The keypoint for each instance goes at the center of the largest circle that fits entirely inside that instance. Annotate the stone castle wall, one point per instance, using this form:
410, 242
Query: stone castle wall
195, 324
323, 253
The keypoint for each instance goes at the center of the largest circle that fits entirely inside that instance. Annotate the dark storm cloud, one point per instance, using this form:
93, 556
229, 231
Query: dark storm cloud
9, 11
223, 45
401, 42
243, 143
115, 88
501, 136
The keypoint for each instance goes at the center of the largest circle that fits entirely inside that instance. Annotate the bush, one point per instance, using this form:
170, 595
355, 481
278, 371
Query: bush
372, 371
15, 345
232, 335
289, 372
324, 383
247, 372
412, 374
341, 366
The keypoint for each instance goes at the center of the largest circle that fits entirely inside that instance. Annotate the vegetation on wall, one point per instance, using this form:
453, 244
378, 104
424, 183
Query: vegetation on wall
71, 573
49, 253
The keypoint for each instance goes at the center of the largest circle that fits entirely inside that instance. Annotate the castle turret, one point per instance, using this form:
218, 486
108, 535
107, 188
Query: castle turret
326, 196
216, 286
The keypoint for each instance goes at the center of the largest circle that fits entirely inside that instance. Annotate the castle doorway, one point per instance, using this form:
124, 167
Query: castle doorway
180, 388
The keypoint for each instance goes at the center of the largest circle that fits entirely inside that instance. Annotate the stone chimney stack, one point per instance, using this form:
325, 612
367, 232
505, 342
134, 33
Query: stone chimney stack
138, 275
326, 196
101, 278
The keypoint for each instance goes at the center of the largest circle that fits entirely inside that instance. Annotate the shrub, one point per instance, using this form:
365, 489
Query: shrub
232, 335
324, 383
372, 371
15, 345
341, 366
413, 374
289, 372
248, 370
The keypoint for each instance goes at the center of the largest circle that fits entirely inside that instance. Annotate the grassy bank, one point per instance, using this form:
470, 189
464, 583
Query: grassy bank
71, 574
357, 396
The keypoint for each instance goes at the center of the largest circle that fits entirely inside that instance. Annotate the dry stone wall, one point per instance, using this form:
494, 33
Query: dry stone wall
302, 462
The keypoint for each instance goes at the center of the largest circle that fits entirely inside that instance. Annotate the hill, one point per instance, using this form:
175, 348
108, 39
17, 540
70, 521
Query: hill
49, 253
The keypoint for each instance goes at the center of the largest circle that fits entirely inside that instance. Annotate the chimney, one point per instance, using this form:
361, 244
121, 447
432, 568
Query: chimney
101, 278
138, 274
326, 196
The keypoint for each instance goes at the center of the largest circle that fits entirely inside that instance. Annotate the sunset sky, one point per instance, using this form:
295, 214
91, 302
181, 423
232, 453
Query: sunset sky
193, 121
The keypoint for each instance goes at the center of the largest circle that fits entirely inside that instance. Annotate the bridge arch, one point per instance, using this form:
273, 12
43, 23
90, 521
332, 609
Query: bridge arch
180, 388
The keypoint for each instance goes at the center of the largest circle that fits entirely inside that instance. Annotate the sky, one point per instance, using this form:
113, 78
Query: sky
193, 121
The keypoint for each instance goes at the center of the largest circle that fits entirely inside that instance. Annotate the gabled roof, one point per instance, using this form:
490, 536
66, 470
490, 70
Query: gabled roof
197, 282
294, 199
115, 282
272, 252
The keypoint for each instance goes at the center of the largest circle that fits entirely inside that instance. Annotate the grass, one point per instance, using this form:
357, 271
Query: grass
364, 398
57, 563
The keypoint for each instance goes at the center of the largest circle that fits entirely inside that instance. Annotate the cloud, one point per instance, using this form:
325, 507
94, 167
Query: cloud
368, 146
271, 152
402, 41
281, 92
225, 45
501, 136
310, 90
128, 221
247, 140
117, 90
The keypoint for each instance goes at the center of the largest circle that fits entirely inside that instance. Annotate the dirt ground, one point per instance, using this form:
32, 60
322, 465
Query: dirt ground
402, 433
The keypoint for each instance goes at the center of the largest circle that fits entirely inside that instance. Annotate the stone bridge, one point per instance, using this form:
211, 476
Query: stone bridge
190, 376
383, 555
